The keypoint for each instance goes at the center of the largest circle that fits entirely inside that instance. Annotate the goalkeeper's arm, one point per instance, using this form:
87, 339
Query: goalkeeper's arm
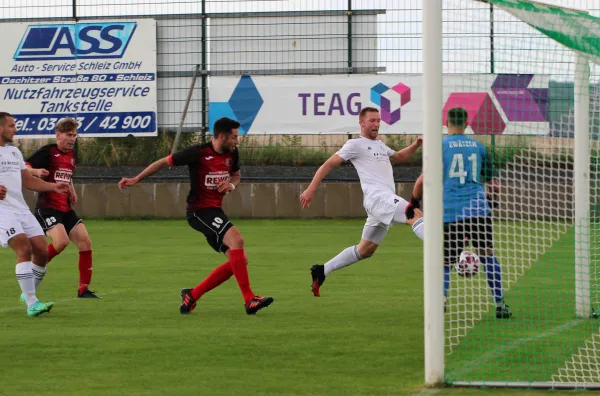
492, 193
492, 184
415, 199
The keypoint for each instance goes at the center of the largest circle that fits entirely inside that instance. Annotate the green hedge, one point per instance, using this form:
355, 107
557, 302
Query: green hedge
284, 151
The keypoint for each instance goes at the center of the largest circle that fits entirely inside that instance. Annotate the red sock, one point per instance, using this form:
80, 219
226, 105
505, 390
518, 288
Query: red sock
51, 252
216, 277
85, 269
239, 265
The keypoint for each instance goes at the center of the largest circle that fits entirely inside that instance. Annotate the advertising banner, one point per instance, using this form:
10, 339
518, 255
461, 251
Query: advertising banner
103, 73
496, 103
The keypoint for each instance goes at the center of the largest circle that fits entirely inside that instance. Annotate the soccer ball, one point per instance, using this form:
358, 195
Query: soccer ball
468, 264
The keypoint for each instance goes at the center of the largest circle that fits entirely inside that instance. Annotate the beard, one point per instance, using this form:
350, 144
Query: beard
229, 149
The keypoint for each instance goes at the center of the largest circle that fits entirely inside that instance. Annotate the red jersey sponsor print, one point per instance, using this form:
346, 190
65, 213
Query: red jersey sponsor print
207, 170
61, 167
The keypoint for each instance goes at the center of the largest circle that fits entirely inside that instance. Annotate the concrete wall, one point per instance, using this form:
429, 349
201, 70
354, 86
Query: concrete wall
281, 200
266, 200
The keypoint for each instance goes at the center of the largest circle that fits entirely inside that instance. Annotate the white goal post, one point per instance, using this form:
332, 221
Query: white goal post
584, 365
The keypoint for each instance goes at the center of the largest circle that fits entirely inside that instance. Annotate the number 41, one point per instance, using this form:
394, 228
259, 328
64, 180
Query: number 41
457, 168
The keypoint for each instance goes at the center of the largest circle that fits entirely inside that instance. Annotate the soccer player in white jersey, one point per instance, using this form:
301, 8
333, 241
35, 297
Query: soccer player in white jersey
18, 227
371, 158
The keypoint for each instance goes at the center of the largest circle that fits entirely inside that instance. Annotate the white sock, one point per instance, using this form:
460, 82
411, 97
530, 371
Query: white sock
346, 257
25, 279
419, 228
38, 274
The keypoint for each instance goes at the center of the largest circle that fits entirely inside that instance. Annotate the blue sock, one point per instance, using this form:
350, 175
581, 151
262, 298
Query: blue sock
493, 273
446, 280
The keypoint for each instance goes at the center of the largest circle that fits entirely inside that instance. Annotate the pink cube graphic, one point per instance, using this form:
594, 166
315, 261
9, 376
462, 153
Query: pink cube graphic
483, 117
404, 92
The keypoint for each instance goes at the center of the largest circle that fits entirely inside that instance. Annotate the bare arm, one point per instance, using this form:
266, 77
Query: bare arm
307, 195
149, 171
418, 188
333, 161
236, 177
415, 200
230, 185
73, 194
41, 173
407, 152
35, 184
153, 168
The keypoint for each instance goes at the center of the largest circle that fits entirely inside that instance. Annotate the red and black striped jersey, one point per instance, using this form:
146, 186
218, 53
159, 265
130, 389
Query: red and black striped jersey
207, 170
61, 167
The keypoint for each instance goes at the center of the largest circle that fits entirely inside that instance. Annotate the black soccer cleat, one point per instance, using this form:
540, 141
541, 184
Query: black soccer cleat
318, 278
258, 303
87, 294
503, 312
187, 302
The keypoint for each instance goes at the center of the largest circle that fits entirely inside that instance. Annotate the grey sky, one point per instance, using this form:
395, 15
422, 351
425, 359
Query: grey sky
518, 48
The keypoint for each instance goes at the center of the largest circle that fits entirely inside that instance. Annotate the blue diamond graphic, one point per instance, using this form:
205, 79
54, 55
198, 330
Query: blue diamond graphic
376, 92
245, 102
218, 110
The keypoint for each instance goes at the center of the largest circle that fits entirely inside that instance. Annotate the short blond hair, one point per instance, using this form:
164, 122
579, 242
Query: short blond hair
66, 125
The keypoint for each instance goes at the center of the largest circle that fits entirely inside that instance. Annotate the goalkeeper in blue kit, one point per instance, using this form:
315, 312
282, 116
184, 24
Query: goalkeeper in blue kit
467, 212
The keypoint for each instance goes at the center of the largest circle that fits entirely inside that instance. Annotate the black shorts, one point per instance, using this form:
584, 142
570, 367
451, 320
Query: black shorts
48, 218
213, 223
478, 230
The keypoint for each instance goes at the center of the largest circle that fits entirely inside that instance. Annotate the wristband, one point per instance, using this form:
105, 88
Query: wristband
232, 186
415, 202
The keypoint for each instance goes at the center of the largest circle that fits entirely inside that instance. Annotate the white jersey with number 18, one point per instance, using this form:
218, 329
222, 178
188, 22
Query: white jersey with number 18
11, 164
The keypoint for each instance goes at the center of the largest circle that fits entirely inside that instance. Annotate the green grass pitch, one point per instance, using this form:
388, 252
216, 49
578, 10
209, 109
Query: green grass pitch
364, 336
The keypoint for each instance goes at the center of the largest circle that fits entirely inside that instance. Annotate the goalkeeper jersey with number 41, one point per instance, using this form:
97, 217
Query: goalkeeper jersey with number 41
465, 171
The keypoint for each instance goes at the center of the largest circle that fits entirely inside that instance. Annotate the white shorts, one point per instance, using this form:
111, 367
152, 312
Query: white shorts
386, 209
389, 210
13, 224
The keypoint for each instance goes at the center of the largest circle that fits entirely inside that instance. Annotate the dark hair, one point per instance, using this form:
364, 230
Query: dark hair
457, 117
224, 126
66, 125
3, 117
365, 110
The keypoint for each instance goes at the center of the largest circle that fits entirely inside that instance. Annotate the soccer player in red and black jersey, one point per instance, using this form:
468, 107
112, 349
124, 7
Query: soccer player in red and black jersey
214, 171
56, 163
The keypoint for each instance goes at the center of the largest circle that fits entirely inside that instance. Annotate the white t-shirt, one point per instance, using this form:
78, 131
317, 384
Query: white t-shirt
11, 164
371, 158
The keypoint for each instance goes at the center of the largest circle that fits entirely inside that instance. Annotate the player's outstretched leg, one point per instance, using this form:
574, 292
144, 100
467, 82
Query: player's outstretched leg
418, 228
87, 293
493, 273
187, 302
39, 308
239, 265
257, 303
317, 272
219, 275
25, 278
80, 237
85, 274
52, 251
346, 257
